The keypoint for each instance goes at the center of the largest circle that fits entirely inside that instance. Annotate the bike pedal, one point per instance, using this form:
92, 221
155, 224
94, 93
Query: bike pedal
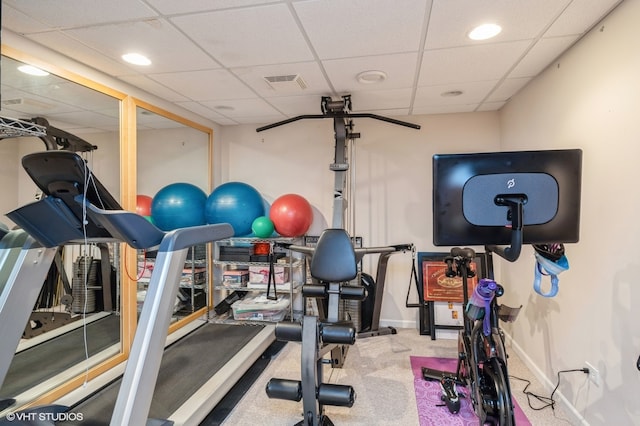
450, 394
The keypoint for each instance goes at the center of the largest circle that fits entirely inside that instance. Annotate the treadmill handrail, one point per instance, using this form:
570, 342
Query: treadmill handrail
139, 233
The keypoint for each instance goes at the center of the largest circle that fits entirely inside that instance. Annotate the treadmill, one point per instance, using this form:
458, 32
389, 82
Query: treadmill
184, 385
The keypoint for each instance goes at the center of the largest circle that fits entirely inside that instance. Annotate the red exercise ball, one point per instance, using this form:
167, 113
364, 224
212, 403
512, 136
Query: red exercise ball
291, 215
143, 205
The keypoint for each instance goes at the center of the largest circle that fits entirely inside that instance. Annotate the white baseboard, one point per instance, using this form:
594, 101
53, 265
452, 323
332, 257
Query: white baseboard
398, 323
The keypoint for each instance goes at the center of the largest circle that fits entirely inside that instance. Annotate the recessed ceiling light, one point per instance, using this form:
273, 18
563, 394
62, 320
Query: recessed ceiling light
369, 77
31, 70
136, 59
485, 31
224, 108
451, 93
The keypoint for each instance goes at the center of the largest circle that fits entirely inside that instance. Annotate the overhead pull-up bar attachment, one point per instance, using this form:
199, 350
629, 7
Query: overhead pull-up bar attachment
340, 111
337, 109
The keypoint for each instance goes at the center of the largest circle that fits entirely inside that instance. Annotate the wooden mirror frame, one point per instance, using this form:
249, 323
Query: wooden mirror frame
128, 173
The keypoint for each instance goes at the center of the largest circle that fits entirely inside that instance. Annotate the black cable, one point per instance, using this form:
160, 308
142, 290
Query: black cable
547, 401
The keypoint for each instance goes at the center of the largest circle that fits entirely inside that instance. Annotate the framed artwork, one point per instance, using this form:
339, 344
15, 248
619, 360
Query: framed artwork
436, 286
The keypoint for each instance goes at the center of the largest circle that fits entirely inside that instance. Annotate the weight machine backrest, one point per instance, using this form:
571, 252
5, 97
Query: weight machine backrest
334, 259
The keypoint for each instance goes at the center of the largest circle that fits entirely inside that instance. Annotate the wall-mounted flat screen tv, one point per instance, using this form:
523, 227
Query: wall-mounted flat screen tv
469, 192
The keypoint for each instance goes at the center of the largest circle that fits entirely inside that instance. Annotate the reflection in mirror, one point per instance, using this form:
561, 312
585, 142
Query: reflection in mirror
171, 153
75, 323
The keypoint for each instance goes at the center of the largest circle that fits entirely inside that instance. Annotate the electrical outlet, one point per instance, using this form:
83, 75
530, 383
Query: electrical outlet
594, 374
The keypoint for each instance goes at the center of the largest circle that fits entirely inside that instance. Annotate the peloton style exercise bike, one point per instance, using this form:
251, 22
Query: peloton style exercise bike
482, 357
494, 199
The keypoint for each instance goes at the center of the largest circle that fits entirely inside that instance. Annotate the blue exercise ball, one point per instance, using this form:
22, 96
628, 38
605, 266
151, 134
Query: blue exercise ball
178, 205
235, 203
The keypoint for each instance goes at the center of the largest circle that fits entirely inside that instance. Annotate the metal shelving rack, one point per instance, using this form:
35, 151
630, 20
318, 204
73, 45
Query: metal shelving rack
15, 128
293, 264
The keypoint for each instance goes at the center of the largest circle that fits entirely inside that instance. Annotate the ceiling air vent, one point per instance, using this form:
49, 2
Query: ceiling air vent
286, 82
25, 103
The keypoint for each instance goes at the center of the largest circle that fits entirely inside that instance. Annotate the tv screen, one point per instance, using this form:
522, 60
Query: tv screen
469, 192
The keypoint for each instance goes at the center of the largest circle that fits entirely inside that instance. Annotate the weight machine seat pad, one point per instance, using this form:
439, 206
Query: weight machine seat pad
334, 259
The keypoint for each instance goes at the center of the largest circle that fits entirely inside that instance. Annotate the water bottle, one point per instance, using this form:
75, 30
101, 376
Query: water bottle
480, 303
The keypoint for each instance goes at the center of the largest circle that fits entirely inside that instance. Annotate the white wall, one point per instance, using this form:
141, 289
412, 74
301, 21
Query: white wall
9, 167
172, 155
18, 189
590, 98
393, 180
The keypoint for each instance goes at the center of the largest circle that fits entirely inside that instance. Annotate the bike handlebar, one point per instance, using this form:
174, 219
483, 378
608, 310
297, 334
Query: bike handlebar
467, 253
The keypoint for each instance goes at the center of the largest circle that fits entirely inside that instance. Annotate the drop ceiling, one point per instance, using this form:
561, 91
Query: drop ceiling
216, 57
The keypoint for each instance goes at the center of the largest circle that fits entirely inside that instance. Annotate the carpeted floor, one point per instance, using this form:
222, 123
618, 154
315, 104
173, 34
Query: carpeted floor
379, 368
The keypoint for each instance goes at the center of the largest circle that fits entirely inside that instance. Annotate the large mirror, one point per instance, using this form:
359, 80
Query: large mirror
173, 158
76, 322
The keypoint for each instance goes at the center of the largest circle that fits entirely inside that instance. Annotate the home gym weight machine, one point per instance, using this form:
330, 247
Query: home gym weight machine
333, 264
340, 112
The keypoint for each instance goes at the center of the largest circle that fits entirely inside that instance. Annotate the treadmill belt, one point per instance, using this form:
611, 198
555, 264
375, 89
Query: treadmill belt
186, 365
47, 359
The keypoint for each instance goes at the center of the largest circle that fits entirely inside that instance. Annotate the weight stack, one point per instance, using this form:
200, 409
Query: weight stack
84, 296
351, 311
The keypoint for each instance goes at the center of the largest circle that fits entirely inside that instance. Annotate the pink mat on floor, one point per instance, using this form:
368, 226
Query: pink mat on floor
428, 397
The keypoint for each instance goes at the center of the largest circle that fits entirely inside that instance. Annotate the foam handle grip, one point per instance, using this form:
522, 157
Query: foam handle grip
290, 390
336, 395
353, 292
289, 332
314, 290
340, 334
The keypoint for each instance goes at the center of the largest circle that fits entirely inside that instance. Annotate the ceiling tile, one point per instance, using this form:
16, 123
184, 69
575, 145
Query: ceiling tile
85, 118
507, 89
19, 22
472, 93
400, 70
73, 13
238, 108
451, 20
293, 106
24, 104
242, 37
340, 29
205, 85
538, 58
259, 119
202, 110
444, 109
166, 47
12, 77
475, 63
310, 73
490, 106
75, 94
381, 99
75, 49
215, 53
169, 7
580, 16
399, 112
145, 83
